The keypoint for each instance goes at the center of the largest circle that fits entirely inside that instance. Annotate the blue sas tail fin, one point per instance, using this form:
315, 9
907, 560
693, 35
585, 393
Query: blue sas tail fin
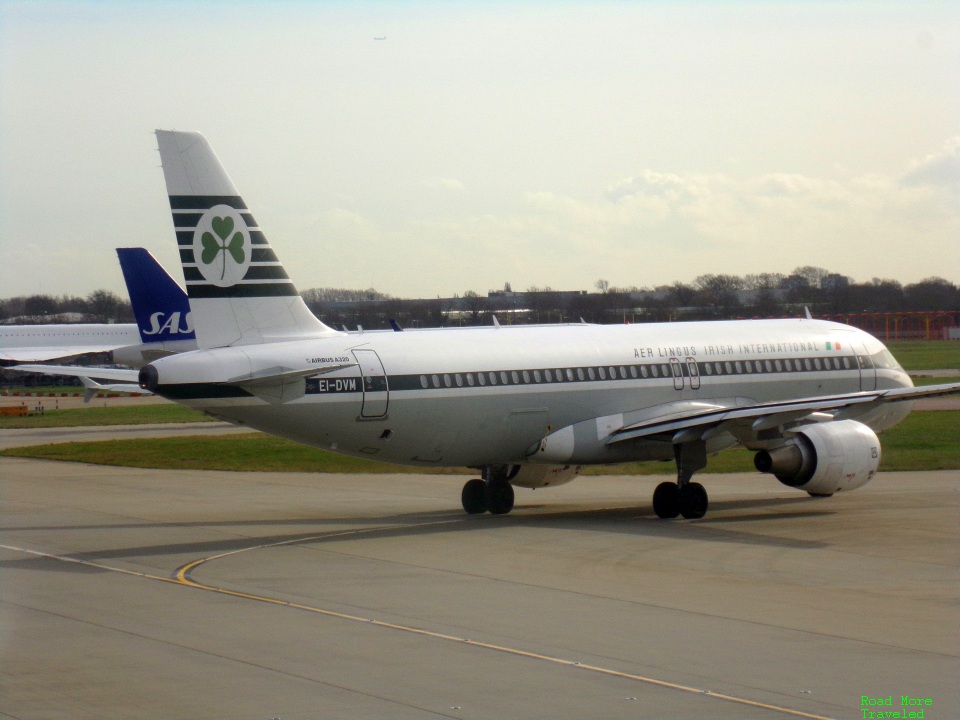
159, 304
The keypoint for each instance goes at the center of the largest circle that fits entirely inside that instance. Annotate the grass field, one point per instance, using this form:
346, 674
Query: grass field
926, 354
924, 441
128, 415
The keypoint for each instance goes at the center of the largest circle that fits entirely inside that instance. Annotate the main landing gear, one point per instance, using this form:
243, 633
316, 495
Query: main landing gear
493, 493
683, 497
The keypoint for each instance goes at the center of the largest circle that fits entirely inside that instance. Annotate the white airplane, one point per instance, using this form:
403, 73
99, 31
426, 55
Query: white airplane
526, 405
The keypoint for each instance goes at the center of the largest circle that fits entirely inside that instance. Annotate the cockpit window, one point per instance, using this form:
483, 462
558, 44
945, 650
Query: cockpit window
884, 359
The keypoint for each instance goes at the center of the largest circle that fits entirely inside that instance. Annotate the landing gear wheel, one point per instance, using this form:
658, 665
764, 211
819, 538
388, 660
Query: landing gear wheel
474, 496
666, 500
499, 498
693, 501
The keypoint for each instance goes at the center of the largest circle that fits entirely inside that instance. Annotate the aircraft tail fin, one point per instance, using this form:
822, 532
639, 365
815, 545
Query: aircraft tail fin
159, 304
239, 292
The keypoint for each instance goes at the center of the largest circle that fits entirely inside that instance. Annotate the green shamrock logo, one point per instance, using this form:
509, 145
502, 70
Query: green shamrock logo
213, 246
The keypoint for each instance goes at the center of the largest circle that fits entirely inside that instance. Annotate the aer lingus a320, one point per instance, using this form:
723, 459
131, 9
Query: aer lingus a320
527, 405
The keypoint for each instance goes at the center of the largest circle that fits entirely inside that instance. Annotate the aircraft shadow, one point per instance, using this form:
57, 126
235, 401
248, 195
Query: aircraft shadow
628, 520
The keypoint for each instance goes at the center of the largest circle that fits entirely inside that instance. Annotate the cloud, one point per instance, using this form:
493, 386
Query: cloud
941, 169
657, 227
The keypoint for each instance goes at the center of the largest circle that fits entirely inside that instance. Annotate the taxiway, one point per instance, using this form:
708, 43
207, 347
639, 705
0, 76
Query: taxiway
142, 594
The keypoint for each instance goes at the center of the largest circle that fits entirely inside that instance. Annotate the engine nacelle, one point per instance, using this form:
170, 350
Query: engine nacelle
825, 458
537, 476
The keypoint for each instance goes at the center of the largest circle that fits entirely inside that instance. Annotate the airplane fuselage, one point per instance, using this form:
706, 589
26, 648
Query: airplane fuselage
482, 396
34, 343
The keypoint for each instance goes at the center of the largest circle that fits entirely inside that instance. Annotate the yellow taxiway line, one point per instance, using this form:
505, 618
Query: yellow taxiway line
182, 577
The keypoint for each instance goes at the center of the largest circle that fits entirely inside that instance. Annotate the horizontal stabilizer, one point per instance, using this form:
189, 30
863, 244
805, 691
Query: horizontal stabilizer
92, 387
282, 385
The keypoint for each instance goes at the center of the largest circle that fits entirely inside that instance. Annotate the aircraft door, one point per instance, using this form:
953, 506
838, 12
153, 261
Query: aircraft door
677, 369
694, 371
376, 393
868, 373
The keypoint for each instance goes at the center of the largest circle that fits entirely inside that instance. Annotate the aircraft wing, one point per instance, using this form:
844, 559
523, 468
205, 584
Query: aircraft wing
40, 354
702, 420
124, 376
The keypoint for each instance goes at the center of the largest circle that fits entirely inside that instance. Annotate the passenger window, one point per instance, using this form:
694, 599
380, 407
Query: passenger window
603, 373
758, 366
446, 380
459, 378
729, 368
623, 373
654, 371
591, 373
580, 374
536, 375
570, 374
470, 379
643, 370
423, 382
709, 368
548, 374
526, 376
739, 366
481, 378
846, 362
817, 364
436, 380
768, 365
493, 378
779, 365
806, 364
503, 377
516, 377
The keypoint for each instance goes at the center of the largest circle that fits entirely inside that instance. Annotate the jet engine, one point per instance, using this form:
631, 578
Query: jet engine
824, 458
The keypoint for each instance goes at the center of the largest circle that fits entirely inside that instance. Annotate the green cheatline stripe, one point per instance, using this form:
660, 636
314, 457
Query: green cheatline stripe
254, 272
205, 202
242, 291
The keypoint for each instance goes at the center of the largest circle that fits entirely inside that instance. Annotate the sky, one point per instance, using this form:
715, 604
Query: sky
483, 143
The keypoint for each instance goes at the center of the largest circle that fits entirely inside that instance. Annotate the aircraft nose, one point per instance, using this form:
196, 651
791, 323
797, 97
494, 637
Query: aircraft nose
149, 378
